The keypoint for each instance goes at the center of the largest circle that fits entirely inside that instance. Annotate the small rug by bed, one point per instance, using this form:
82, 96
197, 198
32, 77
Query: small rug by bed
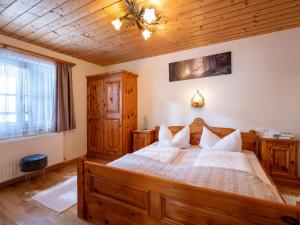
60, 197
291, 199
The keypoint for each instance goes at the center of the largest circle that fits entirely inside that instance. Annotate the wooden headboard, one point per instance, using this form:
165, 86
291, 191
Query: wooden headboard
249, 139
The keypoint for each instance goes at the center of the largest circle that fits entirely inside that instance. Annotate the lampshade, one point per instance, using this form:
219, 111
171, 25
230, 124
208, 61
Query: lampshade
117, 24
147, 34
197, 100
149, 15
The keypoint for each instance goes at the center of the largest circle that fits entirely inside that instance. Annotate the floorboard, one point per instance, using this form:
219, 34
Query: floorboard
288, 190
17, 207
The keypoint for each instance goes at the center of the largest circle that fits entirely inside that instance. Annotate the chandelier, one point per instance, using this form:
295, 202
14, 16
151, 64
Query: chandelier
137, 16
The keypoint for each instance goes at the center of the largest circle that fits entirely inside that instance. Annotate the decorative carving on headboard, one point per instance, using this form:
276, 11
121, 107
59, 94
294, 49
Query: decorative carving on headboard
249, 139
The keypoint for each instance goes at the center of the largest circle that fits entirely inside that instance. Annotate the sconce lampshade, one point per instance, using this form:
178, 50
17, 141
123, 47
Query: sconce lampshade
197, 100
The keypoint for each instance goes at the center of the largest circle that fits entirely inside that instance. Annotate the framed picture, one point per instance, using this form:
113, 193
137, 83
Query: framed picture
207, 66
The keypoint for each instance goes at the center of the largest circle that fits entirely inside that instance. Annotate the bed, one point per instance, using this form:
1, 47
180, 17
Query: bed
125, 192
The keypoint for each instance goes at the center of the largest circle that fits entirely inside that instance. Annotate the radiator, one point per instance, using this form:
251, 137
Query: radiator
13, 150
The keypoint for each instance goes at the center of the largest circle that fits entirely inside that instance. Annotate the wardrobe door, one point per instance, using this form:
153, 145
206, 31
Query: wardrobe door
95, 117
113, 117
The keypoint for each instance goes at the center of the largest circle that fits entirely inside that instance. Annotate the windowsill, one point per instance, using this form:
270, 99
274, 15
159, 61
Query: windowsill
28, 138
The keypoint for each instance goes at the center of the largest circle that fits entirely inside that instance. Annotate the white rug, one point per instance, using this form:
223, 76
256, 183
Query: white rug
60, 197
291, 199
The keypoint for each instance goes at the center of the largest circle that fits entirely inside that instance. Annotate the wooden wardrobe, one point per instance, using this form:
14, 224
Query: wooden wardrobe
111, 114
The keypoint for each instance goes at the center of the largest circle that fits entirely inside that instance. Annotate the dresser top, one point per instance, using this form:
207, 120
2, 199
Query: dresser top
267, 138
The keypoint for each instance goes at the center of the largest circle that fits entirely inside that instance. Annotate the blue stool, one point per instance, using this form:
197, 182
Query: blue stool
34, 163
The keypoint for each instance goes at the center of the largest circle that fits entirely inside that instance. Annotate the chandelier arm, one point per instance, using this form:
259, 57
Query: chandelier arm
124, 17
137, 17
139, 25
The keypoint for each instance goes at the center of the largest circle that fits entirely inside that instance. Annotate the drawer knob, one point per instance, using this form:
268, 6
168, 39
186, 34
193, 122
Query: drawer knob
292, 162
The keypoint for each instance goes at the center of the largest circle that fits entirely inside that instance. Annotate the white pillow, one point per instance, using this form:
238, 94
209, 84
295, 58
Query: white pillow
180, 140
208, 139
165, 136
232, 142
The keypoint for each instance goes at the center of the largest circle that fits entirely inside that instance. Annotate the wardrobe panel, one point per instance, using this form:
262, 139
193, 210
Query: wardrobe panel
111, 114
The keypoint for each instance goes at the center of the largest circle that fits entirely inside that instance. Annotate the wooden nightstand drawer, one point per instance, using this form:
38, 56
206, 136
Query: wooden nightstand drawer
282, 159
279, 157
142, 138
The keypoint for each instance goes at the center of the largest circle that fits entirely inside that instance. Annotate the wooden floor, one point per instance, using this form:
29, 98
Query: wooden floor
288, 190
17, 207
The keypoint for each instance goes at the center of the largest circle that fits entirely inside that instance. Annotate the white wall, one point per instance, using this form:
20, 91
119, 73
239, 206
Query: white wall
68, 145
262, 92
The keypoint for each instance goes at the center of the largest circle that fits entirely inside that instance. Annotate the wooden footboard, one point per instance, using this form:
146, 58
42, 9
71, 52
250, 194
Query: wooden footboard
108, 195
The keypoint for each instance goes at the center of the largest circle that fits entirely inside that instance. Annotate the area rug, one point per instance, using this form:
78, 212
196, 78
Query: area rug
291, 199
60, 197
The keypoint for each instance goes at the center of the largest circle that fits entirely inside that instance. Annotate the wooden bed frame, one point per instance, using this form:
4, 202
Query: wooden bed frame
108, 195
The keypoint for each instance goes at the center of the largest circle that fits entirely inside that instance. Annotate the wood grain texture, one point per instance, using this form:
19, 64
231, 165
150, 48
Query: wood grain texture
17, 207
112, 113
166, 202
279, 157
82, 28
142, 138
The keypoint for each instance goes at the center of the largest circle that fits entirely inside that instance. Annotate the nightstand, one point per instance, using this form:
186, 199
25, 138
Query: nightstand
142, 138
279, 157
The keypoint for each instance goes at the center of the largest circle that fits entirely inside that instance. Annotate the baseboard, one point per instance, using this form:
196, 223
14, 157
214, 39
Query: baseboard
48, 169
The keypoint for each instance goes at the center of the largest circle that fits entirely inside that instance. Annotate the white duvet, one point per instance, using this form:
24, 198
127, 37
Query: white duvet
163, 154
224, 159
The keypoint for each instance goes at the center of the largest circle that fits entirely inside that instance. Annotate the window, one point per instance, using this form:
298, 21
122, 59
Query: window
27, 95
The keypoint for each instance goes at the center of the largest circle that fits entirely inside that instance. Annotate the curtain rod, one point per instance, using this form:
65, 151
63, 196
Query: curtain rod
21, 50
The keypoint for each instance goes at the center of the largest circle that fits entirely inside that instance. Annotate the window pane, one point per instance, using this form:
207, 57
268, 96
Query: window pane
2, 103
12, 118
27, 94
11, 105
8, 85
7, 103
8, 118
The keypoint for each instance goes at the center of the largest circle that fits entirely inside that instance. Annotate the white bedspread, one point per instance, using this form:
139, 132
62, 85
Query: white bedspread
196, 158
227, 160
163, 154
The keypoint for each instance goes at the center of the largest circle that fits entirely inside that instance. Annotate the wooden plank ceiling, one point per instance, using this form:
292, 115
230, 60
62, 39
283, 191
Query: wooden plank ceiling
82, 28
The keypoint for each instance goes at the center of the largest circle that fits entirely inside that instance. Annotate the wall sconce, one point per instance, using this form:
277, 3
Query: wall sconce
197, 100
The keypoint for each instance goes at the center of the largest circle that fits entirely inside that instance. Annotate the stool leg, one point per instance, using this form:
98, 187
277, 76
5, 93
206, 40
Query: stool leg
27, 177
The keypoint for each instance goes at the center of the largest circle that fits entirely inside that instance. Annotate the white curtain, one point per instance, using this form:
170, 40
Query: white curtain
27, 95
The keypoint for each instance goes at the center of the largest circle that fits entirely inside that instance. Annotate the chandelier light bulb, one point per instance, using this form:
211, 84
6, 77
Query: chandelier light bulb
147, 34
117, 24
149, 15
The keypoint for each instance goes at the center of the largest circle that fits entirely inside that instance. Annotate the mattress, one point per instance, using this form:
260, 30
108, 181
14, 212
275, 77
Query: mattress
187, 157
